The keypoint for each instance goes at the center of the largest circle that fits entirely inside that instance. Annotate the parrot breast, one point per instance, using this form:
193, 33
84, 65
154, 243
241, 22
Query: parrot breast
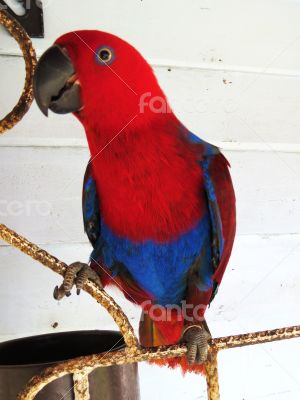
149, 183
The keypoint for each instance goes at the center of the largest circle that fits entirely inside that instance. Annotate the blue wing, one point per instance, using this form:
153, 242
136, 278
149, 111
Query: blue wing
208, 153
221, 205
90, 207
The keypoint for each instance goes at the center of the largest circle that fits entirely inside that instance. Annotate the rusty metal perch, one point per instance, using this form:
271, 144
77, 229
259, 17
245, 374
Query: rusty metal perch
80, 367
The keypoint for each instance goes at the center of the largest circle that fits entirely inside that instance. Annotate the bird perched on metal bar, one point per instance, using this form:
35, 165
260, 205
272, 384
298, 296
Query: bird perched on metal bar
158, 201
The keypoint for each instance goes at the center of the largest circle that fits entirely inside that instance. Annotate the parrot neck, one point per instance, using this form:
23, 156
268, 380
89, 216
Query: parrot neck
130, 134
124, 114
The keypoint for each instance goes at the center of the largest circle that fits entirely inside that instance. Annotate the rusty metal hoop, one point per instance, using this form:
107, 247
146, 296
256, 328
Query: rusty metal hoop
19, 34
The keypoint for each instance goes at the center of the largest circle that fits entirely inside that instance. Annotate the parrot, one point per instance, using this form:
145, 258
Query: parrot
158, 201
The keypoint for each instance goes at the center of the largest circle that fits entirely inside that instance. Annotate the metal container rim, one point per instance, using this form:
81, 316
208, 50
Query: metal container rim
119, 346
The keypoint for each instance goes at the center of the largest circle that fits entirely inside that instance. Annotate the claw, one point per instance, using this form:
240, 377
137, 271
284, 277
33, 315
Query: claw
77, 274
58, 293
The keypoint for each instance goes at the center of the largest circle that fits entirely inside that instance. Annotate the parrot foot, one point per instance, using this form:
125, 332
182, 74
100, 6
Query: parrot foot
197, 341
77, 274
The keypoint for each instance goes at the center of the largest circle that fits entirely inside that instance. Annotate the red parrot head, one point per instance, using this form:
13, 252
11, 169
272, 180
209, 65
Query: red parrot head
99, 77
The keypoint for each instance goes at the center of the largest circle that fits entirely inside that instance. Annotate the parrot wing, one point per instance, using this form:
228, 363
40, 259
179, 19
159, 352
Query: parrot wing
221, 204
90, 207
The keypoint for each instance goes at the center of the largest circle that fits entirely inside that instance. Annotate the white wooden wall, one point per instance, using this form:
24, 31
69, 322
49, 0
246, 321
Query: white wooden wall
231, 70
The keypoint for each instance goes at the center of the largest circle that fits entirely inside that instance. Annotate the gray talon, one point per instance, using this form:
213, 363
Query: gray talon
196, 339
77, 274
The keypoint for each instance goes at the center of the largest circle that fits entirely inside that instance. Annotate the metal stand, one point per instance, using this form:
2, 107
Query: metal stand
81, 367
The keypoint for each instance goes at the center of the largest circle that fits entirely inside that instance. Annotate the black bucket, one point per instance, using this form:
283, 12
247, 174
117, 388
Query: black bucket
21, 359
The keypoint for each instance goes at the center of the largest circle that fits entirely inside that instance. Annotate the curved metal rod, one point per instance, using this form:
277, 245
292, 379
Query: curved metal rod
85, 365
98, 294
19, 34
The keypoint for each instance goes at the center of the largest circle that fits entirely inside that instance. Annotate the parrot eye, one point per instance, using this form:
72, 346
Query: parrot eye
104, 55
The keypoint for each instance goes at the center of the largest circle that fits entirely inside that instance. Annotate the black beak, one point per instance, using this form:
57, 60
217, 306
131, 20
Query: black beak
54, 84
